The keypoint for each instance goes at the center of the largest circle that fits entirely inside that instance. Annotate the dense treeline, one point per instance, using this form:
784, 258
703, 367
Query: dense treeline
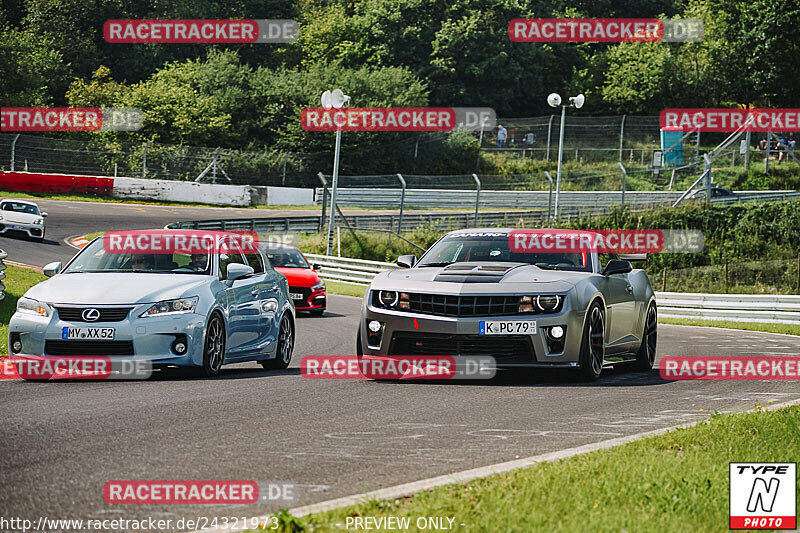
387, 52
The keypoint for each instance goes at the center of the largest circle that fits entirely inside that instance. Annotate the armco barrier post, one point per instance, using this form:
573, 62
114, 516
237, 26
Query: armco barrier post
477, 196
14, 150
402, 202
321, 177
549, 196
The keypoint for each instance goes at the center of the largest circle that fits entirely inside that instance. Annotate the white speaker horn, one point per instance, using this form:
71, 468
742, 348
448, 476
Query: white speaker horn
338, 98
578, 101
554, 99
326, 100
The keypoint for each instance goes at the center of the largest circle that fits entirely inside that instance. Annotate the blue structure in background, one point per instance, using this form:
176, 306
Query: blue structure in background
674, 156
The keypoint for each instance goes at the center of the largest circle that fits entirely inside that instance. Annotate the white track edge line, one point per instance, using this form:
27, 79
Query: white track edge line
408, 489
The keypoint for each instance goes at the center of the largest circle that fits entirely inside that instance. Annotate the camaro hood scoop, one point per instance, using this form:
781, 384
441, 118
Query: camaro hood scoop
475, 272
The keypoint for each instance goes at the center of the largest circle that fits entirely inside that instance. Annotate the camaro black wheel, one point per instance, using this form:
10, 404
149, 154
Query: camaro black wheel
359, 349
214, 351
283, 355
593, 344
646, 356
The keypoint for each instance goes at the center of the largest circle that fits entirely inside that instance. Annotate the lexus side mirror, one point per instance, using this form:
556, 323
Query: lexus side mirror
238, 271
617, 266
407, 261
44, 214
316, 266
51, 269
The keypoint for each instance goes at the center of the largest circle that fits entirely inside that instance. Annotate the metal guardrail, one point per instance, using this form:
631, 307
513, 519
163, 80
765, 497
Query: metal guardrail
783, 309
3, 255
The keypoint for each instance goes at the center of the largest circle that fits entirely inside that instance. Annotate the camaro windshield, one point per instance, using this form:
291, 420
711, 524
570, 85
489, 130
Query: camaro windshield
494, 248
287, 259
20, 207
94, 258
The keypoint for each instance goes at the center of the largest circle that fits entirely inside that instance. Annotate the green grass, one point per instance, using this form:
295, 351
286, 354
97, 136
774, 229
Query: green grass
18, 280
788, 329
674, 482
333, 287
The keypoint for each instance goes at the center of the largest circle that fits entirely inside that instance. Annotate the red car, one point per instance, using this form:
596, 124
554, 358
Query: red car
306, 288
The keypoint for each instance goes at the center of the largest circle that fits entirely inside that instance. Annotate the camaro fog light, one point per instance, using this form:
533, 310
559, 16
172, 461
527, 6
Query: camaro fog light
557, 332
525, 304
547, 302
389, 298
374, 326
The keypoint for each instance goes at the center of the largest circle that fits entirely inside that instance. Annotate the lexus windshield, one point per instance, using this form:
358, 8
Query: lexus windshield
95, 258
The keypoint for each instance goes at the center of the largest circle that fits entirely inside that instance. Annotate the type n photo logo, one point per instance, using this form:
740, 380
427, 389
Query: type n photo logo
763, 495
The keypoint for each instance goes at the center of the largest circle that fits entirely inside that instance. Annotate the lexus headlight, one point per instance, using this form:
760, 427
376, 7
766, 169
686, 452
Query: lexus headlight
172, 307
33, 307
318, 286
38, 221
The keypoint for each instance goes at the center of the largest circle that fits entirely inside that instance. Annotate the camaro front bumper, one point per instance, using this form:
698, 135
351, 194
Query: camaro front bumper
135, 339
408, 333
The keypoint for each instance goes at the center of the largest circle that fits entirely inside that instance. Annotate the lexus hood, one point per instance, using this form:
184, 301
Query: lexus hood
113, 288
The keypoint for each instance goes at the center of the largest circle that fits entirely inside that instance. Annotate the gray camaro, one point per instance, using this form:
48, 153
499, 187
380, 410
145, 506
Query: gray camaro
470, 294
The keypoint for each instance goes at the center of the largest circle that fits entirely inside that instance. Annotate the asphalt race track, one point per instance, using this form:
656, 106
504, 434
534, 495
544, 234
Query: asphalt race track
62, 441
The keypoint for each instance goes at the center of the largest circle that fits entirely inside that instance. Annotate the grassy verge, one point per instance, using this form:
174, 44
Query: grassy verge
672, 482
18, 280
333, 287
789, 329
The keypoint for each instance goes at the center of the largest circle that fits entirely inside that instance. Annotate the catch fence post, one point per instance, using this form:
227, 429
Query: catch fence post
624, 182
402, 202
14, 150
621, 136
321, 177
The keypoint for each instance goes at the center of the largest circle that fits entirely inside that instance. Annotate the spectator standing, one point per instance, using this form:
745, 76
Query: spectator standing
501, 135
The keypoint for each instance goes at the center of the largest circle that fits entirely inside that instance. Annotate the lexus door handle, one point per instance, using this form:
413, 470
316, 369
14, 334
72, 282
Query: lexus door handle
629, 288
254, 292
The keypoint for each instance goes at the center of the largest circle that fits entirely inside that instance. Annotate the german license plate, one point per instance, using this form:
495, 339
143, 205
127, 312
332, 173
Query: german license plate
296, 295
507, 327
69, 333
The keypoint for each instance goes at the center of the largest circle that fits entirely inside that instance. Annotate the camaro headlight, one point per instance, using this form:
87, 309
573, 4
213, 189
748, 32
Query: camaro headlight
33, 307
388, 298
172, 307
318, 286
543, 303
39, 221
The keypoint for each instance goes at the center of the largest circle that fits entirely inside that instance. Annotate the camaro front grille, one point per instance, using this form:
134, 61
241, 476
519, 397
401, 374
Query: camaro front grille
444, 305
107, 314
88, 347
508, 348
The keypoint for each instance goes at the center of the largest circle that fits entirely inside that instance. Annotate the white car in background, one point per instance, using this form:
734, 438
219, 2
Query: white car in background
22, 216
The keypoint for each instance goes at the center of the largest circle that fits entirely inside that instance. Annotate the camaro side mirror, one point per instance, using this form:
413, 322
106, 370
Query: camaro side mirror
407, 261
51, 269
238, 271
617, 266
316, 266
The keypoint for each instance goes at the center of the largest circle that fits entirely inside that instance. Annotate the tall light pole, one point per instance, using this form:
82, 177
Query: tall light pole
334, 99
555, 100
